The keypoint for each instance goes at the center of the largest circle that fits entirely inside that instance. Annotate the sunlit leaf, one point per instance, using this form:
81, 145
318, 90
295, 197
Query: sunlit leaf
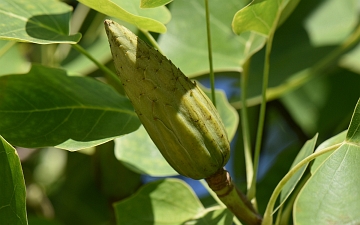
12, 188
186, 45
45, 107
332, 194
262, 16
130, 11
153, 3
36, 21
169, 201
337, 139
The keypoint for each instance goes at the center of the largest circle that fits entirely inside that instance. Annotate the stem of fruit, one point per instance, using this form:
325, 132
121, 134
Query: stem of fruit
221, 183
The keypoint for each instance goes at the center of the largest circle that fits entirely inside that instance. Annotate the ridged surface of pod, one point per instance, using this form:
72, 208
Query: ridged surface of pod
180, 119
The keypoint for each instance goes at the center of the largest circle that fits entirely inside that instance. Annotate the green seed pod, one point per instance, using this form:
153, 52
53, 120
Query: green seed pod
180, 119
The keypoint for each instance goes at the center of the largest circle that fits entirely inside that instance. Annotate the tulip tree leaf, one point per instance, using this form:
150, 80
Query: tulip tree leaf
182, 42
262, 16
336, 182
337, 139
169, 201
36, 21
130, 11
139, 153
153, 3
45, 107
305, 151
12, 188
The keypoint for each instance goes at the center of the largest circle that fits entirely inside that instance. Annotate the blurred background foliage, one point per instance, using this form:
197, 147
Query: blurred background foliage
80, 187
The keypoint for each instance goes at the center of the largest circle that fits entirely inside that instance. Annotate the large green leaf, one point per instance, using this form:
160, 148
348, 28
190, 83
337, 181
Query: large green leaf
186, 45
47, 108
332, 194
138, 152
36, 21
262, 16
169, 201
337, 139
332, 22
12, 188
130, 11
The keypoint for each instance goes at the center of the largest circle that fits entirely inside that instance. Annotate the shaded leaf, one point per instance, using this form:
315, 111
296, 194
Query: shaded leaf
303, 104
77, 200
42, 221
337, 139
47, 108
332, 194
12, 188
169, 201
215, 215
332, 21
138, 152
305, 151
116, 181
130, 11
327, 110
153, 3
186, 45
288, 9
36, 21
